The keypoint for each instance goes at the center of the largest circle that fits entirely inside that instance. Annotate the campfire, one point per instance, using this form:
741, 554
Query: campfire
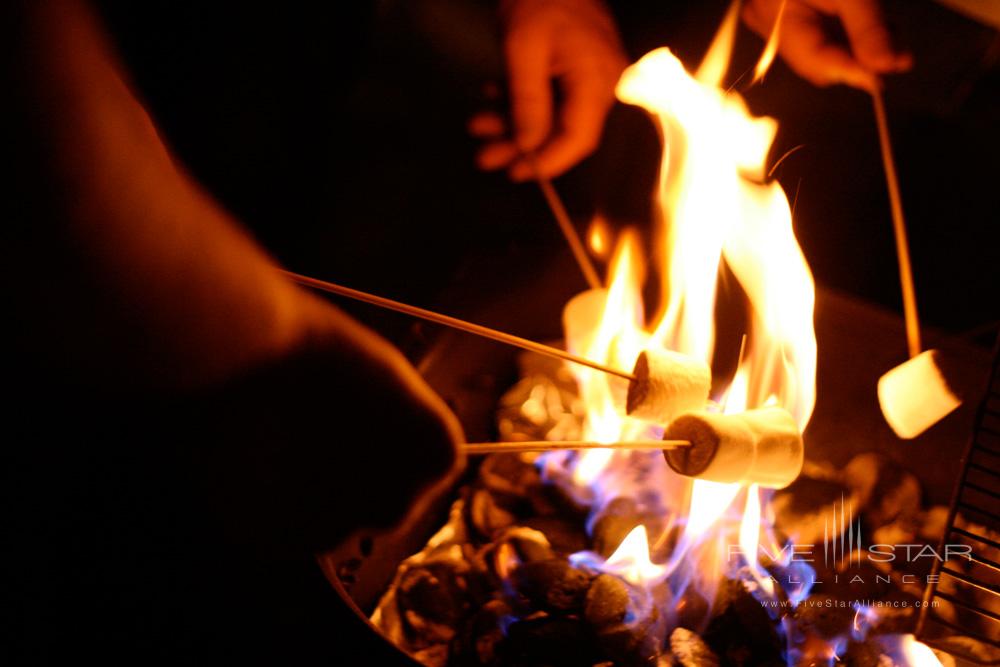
724, 550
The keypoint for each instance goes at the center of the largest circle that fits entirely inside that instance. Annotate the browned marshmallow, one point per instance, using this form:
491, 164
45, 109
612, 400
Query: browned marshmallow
760, 446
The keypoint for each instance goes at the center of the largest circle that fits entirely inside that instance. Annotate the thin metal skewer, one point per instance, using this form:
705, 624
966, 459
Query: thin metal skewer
899, 227
566, 225
474, 448
453, 322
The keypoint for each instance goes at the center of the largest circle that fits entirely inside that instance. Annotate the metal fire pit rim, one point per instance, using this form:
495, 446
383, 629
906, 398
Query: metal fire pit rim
327, 565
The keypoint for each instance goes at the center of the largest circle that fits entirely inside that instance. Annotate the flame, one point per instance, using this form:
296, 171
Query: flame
708, 501
906, 651
920, 655
750, 525
631, 562
618, 339
599, 237
716, 61
771, 48
865, 618
719, 209
750, 529
901, 649
717, 212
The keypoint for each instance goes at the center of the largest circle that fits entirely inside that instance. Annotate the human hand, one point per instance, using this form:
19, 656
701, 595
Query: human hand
809, 49
574, 42
381, 398
336, 435
299, 424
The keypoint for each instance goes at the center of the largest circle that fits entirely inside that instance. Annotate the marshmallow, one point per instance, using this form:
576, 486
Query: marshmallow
914, 395
582, 318
761, 446
667, 383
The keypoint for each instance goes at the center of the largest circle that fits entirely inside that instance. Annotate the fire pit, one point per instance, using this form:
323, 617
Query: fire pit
472, 374
610, 557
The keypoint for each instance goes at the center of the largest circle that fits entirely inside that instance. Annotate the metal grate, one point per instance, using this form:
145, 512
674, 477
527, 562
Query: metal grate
964, 594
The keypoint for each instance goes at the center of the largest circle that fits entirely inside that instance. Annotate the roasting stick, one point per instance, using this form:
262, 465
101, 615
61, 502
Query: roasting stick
914, 395
453, 322
474, 448
566, 225
899, 227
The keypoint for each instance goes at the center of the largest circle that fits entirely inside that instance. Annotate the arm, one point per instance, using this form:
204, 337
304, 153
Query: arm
178, 280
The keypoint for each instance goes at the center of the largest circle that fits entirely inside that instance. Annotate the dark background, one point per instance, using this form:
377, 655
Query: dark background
336, 133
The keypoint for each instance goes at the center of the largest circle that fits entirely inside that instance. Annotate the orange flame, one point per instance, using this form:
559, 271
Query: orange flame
599, 237
631, 562
616, 339
905, 649
717, 210
771, 48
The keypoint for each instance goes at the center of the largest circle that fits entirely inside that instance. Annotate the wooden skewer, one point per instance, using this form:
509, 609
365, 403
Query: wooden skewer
475, 448
453, 322
566, 225
899, 227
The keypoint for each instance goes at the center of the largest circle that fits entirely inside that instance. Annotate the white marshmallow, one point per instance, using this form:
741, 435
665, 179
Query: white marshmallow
582, 318
667, 383
914, 395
